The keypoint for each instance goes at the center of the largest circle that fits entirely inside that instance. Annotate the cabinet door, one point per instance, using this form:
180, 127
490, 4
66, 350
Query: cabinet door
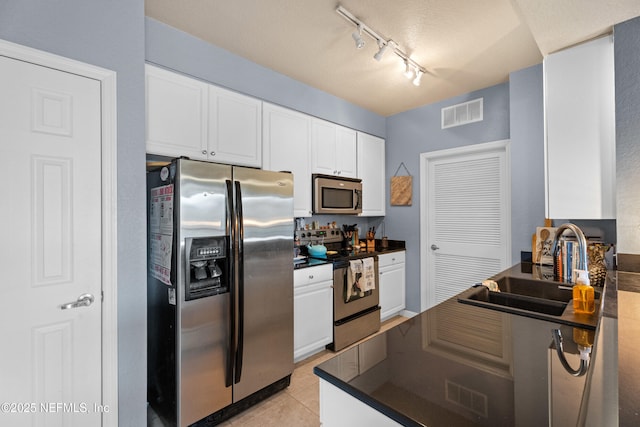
580, 134
339, 408
287, 147
323, 147
235, 128
176, 114
371, 169
392, 290
333, 149
346, 152
312, 318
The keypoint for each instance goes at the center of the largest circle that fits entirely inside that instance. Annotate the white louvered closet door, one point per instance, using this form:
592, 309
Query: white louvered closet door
468, 218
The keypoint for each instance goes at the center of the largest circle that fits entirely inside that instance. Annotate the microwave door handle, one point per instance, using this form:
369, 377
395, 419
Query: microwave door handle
358, 197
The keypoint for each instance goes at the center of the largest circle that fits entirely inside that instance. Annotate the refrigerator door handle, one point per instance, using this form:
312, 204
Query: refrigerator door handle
229, 231
240, 281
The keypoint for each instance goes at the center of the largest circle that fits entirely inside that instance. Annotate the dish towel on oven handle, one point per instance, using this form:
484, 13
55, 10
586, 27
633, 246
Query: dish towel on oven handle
368, 280
354, 274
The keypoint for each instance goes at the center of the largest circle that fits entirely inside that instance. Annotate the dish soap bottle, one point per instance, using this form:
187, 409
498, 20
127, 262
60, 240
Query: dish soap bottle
583, 294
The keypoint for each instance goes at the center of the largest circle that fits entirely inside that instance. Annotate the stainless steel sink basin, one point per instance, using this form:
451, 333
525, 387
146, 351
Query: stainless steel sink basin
532, 298
535, 288
554, 291
523, 302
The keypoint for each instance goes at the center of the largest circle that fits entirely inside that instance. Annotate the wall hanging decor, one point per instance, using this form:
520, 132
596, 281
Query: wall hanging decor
401, 187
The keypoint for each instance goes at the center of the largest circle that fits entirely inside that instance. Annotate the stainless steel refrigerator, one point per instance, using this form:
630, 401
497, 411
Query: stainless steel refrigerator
220, 289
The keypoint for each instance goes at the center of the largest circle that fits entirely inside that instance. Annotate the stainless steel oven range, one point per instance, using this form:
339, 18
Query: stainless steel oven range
356, 294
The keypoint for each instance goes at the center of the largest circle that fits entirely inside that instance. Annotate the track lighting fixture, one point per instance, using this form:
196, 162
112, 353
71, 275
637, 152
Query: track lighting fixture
357, 37
412, 68
382, 47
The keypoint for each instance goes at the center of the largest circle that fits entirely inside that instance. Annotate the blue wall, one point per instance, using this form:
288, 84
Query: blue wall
109, 34
527, 157
179, 51
418, 131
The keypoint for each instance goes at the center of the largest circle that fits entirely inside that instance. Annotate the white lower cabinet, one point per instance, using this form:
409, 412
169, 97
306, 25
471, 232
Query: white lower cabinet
392, 283
338, 408
312, 310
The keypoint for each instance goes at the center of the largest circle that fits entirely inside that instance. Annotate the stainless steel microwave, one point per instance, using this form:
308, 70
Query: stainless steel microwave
336, 195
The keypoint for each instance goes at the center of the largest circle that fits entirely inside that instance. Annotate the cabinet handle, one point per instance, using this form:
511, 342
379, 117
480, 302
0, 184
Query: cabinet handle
204, 152
311, 276
213, 153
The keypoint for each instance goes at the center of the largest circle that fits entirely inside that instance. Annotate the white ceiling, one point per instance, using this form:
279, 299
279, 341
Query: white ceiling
465, 45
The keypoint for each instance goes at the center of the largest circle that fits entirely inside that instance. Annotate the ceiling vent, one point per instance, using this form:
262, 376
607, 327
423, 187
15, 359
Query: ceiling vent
461, 114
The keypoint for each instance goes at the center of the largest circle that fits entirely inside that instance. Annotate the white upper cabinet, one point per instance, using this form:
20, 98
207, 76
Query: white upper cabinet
287, 147
235, 128
580, 131
333, 149
188, 117
371, 170
176, 110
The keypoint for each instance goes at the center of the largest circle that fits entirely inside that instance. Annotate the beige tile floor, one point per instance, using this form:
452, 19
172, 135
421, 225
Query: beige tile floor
298, 405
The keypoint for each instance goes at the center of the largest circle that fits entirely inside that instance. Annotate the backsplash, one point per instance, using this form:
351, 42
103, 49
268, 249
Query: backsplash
363, 222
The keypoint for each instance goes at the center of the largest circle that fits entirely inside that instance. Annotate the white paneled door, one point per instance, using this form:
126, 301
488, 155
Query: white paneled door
465, 218
50, 252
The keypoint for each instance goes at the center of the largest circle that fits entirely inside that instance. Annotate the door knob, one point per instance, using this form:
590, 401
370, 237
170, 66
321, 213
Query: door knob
83, 300
434, 248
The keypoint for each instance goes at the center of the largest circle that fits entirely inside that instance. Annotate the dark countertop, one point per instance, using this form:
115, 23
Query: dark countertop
310, 262
392, 246
424, 370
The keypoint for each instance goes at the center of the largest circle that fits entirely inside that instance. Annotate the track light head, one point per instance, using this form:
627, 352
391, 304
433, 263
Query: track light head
357, 37
416, 81
382, 48
408, 72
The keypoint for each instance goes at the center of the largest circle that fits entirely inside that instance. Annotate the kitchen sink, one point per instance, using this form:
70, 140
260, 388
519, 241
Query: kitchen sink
535, 288
555, 291
523, 302
540, 299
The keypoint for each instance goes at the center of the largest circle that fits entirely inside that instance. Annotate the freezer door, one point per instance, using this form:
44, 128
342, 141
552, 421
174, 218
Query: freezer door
201, 191
265, 272
204, 329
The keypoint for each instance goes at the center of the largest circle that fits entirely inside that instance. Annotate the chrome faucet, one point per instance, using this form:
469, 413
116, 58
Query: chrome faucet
583, 264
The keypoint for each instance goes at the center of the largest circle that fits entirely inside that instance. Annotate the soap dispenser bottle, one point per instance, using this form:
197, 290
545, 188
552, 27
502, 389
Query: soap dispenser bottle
583, 294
